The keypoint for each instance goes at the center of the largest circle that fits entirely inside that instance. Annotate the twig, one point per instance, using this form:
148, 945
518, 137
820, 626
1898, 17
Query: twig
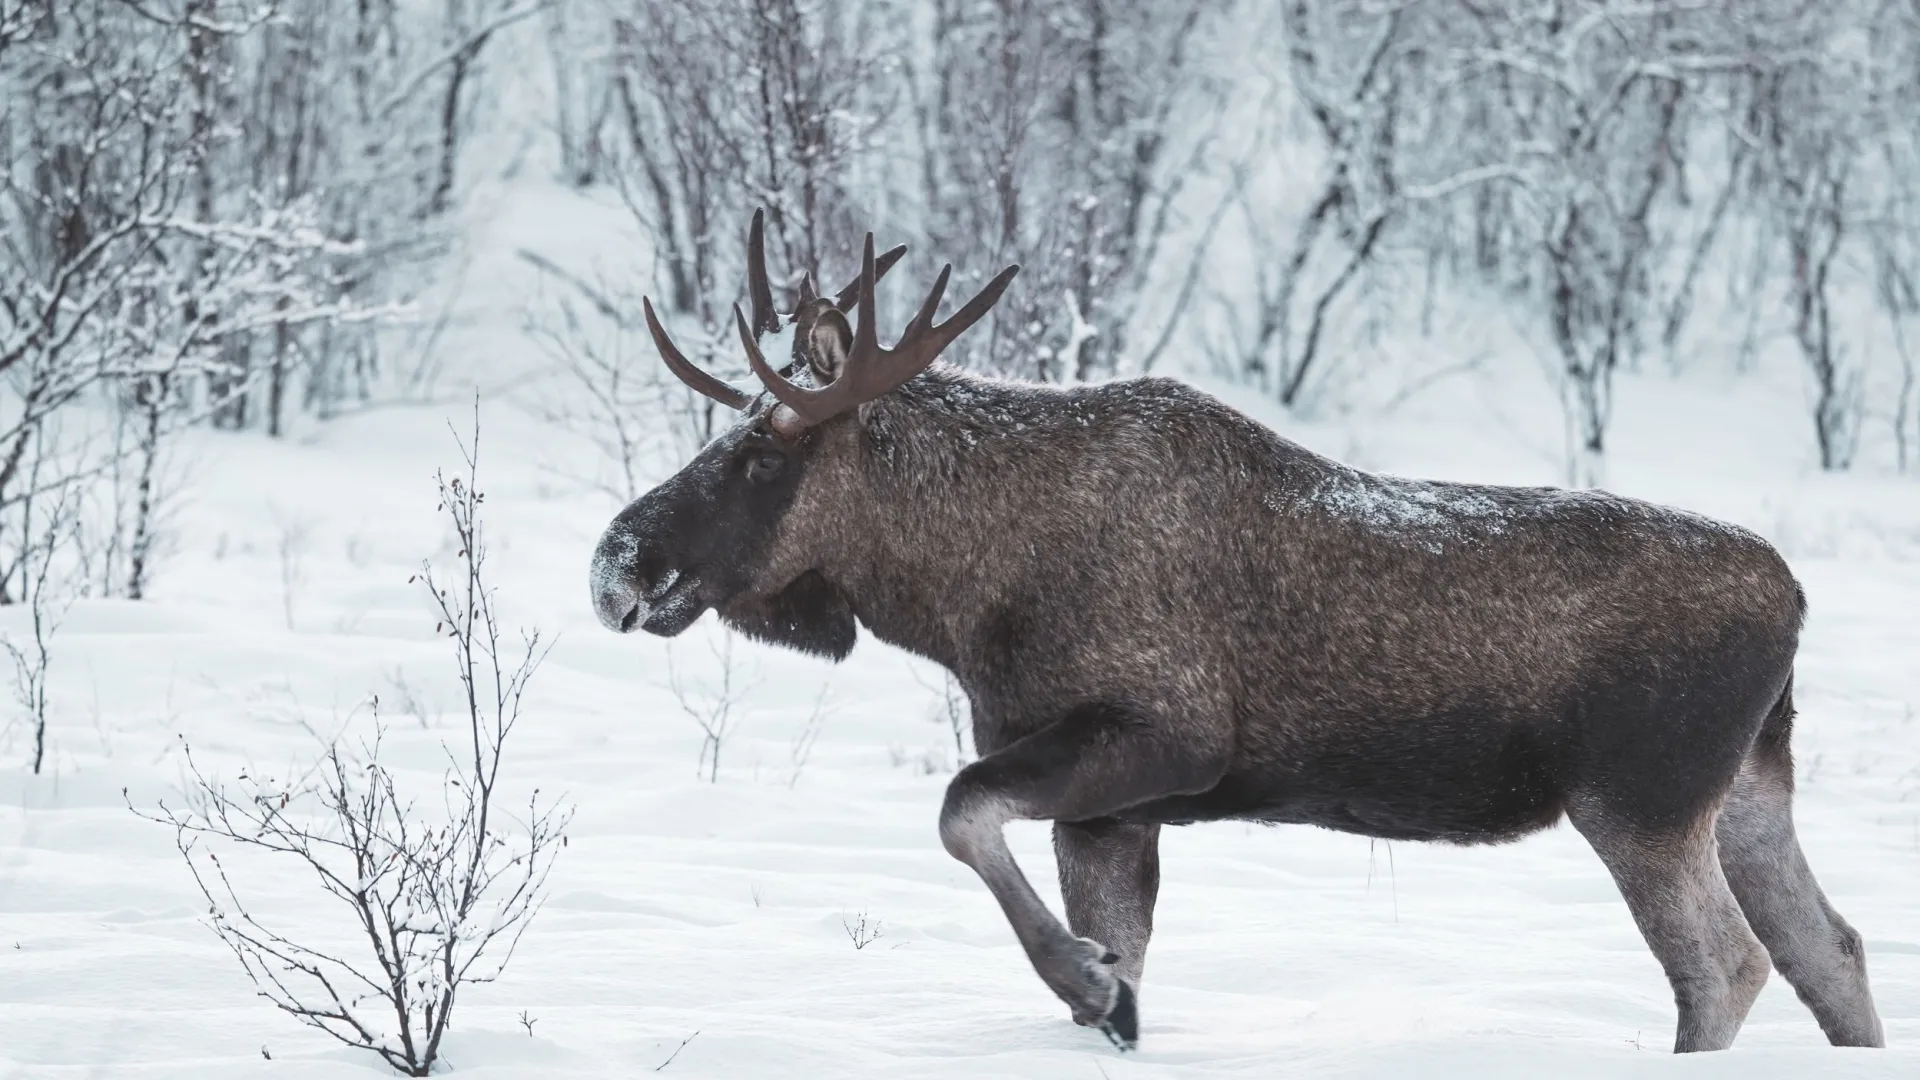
859, 932
470, 43
594, 296
676, 1052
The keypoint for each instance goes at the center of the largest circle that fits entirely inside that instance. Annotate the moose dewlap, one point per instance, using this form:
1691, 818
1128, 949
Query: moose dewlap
1163, 612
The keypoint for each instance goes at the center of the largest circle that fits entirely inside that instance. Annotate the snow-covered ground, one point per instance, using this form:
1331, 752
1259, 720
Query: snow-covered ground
722, 909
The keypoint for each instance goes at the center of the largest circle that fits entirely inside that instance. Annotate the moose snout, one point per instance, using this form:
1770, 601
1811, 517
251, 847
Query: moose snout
619, 591
618, 608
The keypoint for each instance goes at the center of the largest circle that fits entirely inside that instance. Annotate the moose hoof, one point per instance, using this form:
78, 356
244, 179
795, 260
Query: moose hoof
1098, 997
1122, 1025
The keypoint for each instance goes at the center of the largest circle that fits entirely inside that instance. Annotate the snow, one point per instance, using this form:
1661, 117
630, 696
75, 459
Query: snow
1415, 511
681, 906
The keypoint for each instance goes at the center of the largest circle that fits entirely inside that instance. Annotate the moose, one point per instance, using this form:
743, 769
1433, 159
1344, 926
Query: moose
1163, 612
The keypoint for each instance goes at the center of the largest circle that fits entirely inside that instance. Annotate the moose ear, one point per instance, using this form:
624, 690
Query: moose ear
828, 341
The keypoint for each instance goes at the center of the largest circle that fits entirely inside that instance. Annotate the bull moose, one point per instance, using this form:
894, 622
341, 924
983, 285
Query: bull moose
1163, 612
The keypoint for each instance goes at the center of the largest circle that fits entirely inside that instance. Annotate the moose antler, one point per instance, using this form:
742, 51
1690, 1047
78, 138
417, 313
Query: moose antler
699, 380
760, 292
870, 370
766, 320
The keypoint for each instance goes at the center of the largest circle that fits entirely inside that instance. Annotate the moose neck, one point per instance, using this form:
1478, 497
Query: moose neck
956, 487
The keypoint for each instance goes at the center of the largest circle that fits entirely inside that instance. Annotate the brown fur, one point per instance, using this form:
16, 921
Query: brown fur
1139, 541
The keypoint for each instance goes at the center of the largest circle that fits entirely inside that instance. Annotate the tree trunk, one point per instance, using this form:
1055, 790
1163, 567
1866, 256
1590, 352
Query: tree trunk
140, 547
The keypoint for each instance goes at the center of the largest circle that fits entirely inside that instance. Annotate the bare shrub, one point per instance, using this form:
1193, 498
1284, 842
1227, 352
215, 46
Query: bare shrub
713, 704
802, 749
409, 699
48, 522
676, 1052
861, 929
612, 391
437, 900
929, 761
291, 548
951, 711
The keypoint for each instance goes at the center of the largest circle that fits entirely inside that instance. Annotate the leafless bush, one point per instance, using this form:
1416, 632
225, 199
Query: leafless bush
713, 705
48, 522
409, 699
802, 749
437, 900
613, 393
951, 711
860, 930
290, 546
928, 761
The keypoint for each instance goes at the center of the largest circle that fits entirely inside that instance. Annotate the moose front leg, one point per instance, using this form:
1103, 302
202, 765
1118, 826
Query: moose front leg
1109, 878
1096, 761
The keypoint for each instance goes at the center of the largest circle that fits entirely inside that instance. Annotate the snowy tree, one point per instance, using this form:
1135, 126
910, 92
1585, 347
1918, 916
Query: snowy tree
129, 272
1051, 136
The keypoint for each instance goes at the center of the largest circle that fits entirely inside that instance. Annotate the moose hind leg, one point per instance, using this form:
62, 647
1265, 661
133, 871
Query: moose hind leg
1812, 946
1109, 878
1672, 882
1092, 763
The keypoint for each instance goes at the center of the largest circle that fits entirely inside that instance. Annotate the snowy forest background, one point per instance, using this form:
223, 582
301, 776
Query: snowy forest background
255, 254
227, 213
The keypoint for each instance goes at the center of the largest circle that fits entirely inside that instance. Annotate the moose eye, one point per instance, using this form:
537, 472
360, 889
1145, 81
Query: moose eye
765, 465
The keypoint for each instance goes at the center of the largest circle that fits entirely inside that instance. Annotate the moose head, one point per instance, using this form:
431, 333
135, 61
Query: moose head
730, 530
